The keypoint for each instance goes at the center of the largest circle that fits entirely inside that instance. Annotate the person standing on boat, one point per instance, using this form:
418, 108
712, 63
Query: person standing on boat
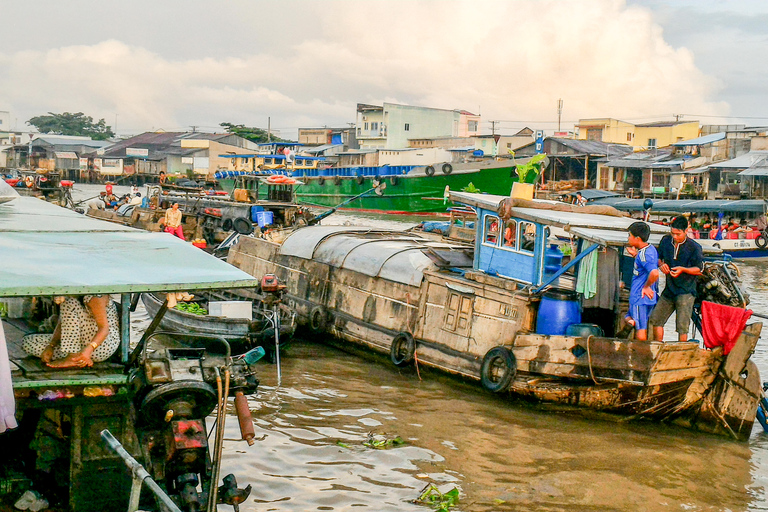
645, 275
580, 199
173, 221
680, 259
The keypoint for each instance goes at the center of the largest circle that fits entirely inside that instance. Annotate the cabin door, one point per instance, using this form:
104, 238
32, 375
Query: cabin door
458, 313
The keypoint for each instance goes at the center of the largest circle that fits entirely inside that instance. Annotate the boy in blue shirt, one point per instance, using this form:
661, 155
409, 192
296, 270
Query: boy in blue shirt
645, 276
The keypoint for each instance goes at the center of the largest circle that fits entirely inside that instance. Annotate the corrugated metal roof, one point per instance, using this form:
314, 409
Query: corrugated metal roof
700, 141
641, 159
392, 255
685, 205
70, 140
742, 162
592, 147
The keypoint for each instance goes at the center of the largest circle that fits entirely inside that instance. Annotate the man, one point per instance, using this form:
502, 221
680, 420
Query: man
645, 273
580, 199
97, 203
173, 221
136, 199
680, 259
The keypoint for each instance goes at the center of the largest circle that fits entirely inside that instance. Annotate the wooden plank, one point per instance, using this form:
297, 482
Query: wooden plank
676, 375
736, 360
603, 352
581, 371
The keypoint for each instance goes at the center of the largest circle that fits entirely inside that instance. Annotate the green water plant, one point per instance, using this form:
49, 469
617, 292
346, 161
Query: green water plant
439, 501
382, 442
471, 188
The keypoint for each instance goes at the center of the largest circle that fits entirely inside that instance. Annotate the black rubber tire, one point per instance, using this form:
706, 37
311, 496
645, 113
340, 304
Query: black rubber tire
360, 179
498, 370
761, 241
393, 180
227, 225
318, 319
242, 226
429, 170
337, 180
402, 349
447, 168
320, 181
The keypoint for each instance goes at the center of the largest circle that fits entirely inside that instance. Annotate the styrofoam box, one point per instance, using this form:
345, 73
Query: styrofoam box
231, 309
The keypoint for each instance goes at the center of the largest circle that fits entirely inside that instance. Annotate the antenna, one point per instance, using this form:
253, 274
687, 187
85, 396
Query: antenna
559, 112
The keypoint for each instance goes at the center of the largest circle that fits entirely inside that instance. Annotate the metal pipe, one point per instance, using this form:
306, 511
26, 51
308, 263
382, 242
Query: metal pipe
567, 267
125, 326
276, 323
138, 470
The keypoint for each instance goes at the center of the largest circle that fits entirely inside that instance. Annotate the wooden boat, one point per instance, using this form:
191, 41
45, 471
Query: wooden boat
153, 398
480, 313
241, 333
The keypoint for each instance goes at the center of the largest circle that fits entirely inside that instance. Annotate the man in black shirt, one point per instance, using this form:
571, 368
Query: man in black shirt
680, 260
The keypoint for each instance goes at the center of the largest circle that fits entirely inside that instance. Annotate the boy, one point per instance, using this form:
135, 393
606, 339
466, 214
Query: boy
645, 274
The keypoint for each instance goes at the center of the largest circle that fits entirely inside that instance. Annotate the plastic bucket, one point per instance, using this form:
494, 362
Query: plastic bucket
558, 310
264, 218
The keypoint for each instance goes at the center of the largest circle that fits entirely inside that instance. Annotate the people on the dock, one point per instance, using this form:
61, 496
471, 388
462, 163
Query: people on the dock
173, 221
643, 294
680, 259
87, 331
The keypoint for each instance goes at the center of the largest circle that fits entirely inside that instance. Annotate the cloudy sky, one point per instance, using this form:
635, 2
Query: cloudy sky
144, 65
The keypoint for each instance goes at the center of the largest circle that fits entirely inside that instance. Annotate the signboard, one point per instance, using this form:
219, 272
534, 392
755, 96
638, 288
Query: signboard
97, 164
539, 141
112, 166
83, 164
136, 152
187, 160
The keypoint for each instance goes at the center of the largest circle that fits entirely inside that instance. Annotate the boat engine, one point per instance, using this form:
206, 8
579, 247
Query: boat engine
175, 389
720, 282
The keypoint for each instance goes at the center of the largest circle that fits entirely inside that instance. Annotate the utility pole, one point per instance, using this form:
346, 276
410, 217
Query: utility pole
493, 127
559, 112
269, 129
194, 128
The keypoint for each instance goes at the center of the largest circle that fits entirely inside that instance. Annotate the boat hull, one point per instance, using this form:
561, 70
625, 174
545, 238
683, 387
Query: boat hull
412, 193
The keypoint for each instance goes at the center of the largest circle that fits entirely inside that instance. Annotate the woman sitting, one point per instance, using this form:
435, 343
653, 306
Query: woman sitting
87, 331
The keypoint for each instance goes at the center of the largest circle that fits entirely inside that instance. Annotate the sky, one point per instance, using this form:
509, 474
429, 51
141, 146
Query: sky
147, 65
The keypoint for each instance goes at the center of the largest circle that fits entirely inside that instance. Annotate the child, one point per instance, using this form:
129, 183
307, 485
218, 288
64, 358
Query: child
645, 275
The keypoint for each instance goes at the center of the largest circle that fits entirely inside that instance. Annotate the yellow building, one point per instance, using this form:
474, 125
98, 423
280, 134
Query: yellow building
607, 130
662, 134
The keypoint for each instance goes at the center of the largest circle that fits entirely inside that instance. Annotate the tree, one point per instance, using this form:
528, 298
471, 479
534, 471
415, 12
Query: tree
72, 124
252, 134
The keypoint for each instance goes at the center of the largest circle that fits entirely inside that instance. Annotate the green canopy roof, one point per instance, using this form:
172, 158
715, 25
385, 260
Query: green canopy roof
48, 250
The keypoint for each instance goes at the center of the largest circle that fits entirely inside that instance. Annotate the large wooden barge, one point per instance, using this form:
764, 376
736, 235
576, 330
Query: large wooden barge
479, 313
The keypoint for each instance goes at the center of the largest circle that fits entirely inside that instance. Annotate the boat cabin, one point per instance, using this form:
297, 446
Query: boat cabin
50, 251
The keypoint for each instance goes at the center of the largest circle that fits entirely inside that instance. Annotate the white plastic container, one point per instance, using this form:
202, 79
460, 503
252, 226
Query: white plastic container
231, 309
16, 307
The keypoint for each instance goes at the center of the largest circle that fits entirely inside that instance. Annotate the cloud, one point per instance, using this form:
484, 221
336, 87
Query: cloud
512, 60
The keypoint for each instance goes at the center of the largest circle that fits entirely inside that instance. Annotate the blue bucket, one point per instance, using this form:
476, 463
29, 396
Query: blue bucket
264, 218
558, 310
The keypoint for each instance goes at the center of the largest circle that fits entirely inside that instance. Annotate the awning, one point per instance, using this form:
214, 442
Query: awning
757, 171
65, 154
49, 250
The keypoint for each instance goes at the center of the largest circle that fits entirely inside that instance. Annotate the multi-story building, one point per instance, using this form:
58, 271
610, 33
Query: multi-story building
640, 136
391, 125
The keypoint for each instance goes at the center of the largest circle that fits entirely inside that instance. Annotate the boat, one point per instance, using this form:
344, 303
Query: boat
501, 314
242, 331
411, 189
748, 244
146, 406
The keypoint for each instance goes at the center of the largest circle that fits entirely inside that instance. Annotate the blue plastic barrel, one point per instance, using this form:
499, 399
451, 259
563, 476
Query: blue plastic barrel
254, 210
558, 310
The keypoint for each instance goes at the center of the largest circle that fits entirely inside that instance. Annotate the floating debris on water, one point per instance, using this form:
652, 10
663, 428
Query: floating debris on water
440, 500
382, 442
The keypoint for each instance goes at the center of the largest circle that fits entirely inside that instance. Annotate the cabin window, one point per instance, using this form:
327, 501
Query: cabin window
651, 143
268, 161
510, 235
491, 229
374, 126
407, 127
527, 236
458, 313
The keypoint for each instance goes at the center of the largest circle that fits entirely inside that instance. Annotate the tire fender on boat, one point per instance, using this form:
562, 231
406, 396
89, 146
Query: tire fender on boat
393, 180
360, 179
337, 180
402, 349
318, 319
242, 226
429, 170
320, 181
447, 168
498, 370
227, 225
761, 241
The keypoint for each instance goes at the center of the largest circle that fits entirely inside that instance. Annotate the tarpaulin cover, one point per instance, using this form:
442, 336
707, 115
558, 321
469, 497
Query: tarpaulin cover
722, 325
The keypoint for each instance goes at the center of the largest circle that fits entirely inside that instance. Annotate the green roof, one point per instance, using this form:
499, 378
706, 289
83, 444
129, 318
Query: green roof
49, 250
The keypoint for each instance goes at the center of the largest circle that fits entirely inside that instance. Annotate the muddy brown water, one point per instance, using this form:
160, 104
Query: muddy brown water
504, 454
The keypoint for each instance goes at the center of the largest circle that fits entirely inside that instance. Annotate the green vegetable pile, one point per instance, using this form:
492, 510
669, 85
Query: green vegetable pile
191, 307
381, 442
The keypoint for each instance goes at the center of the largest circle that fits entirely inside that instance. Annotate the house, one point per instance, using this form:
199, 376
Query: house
174, 153
642, 173
391, 125
60, 153
9, 139
743, 176
738, 137
639, 136
328, 136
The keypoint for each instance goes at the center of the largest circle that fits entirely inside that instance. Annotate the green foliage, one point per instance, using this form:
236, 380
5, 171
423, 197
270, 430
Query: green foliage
531, 169
191, 307
381, 442
471, 188
72, 124
439, 501
252, 134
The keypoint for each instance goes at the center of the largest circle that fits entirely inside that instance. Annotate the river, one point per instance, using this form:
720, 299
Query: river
502, 453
